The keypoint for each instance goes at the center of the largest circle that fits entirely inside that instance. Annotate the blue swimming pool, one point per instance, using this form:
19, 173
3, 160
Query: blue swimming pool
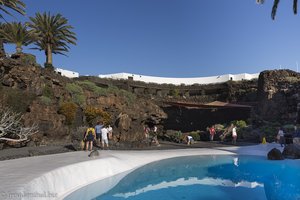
202, 177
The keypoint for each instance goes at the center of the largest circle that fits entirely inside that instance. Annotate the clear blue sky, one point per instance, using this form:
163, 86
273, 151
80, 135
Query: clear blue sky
174, 38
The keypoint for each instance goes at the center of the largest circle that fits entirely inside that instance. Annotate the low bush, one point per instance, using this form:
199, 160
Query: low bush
48, 92
94, 114
77, 93
45, 100
195, 135
68, 109
90, 86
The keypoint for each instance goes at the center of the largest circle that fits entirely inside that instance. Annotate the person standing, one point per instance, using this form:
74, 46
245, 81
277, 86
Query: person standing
98, 128
153, 136
281, 137
110, 132
234, 135
212, 133
104, 135
89, 137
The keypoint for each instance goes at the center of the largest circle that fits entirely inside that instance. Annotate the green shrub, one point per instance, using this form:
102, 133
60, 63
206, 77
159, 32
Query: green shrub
69, 110
76, 92
195, 135
73, 88
90, 86
99, 91
174, 92
28, 59
219, 127
79, 99
240, 123
289, 128
269, 131
129, 97
45, 100
48, 92
93, 114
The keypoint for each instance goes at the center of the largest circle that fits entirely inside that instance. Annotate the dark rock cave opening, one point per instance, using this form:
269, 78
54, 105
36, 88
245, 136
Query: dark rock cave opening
191, 119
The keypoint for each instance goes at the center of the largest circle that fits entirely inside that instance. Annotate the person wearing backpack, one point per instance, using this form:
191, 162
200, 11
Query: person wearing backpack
89, 137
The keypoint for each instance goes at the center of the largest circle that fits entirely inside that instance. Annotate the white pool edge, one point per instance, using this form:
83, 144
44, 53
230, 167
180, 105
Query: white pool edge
63, 180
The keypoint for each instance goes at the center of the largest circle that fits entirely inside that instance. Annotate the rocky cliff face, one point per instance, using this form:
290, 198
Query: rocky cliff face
279, 96
41, 92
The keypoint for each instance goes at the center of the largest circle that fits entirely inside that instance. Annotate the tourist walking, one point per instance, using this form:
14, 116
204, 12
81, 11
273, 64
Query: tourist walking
146, 133
212, 133
234, 135
89, 137
154, 136
110, 132
104, 135
98, 128
281, 137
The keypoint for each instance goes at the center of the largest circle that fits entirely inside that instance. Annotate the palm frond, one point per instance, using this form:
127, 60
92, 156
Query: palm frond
295, 6
274, 9
14, 5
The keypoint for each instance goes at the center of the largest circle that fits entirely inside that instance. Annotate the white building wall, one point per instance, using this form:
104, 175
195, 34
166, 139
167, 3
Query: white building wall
178, 81
67, 73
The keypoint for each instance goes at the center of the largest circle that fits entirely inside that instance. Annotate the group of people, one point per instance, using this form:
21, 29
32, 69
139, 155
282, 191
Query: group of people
99, 134
151, 135
232, 129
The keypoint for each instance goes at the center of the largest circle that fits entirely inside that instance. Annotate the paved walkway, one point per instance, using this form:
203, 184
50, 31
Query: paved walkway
54, 176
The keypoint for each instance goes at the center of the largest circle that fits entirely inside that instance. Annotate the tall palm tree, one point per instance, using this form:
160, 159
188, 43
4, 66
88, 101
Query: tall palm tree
5, 7
17, 33
54, 34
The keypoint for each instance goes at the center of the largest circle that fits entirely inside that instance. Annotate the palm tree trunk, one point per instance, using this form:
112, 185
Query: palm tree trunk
2, 51
49, 55
19, 49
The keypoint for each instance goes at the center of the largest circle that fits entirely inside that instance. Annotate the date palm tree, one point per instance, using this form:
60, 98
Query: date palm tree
17, 33
5, 7
54, 34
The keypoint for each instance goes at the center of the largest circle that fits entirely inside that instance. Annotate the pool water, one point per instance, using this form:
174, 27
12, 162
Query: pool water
202, 177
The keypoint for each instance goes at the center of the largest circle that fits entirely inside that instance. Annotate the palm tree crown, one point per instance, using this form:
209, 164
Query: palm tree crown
54, 34
5, 6
18, 34
15, 5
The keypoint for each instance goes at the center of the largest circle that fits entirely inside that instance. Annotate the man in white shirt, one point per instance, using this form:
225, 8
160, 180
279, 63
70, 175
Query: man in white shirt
104, 132
281, 137
234, 135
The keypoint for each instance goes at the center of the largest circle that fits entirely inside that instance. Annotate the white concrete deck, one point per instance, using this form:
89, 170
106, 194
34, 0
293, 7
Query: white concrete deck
54, 176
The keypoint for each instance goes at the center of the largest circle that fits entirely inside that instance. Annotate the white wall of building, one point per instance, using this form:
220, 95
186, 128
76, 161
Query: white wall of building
178, 81
67, 73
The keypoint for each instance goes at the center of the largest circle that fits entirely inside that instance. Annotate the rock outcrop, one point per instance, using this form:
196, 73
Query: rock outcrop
275, 154
279, 96
291, 151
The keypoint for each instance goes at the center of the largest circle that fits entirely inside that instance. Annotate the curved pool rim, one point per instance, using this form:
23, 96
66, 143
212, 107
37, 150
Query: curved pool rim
66, 179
